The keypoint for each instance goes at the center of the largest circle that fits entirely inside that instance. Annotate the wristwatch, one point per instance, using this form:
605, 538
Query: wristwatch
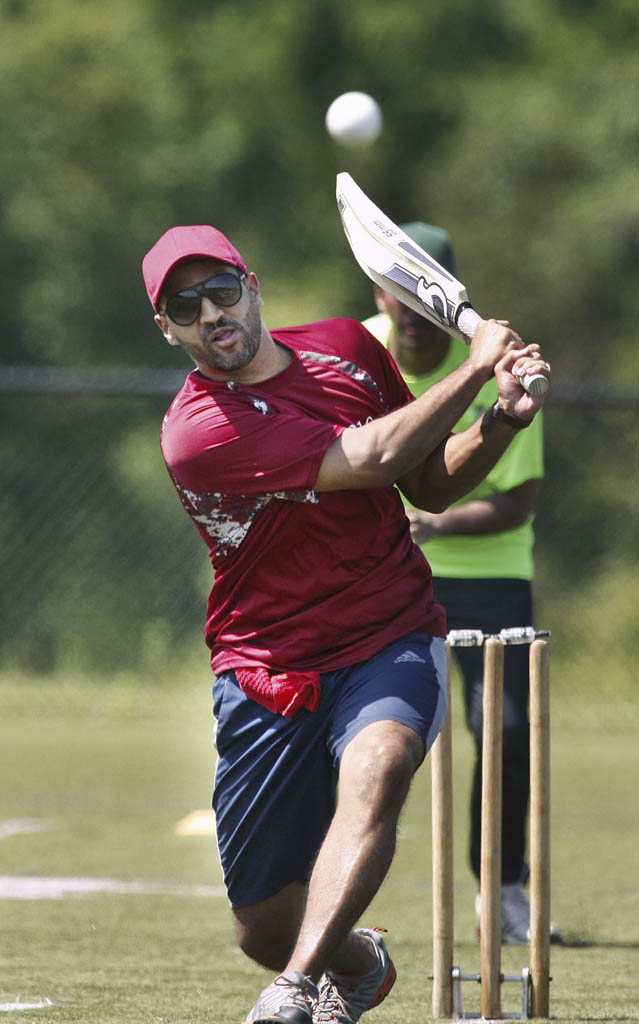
499, 413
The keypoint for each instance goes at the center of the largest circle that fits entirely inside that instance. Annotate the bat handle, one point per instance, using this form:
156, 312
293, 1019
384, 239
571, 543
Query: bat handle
534, 383
468, 321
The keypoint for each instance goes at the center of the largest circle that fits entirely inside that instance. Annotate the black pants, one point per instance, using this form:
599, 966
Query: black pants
490, 605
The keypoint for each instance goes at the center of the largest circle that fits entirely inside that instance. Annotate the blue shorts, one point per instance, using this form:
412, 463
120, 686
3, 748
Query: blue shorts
276, 777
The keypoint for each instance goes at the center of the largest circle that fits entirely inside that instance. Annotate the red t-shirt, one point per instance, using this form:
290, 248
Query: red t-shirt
303, 580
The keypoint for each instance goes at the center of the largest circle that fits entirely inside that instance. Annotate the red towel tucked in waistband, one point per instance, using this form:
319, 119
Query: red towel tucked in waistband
285, 692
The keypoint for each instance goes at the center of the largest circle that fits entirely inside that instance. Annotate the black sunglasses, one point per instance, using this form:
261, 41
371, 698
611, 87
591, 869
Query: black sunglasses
184, 307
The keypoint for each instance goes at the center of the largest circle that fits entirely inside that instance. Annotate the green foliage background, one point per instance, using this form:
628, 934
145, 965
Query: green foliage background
514, 125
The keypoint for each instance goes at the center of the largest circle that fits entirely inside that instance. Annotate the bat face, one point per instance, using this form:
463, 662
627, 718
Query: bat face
431, 300
397, 264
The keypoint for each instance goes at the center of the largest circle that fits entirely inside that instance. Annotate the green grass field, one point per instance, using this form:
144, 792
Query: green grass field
107, 773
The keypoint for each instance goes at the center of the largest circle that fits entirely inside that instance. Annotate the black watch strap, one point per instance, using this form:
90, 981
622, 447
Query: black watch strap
499, 413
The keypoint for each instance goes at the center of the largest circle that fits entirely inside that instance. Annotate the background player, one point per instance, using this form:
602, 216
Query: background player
481, 554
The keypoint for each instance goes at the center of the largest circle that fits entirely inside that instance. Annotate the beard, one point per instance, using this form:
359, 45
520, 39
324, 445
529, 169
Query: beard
246, 345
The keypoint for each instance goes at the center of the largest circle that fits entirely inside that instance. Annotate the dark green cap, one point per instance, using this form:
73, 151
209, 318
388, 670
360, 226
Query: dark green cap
435, 241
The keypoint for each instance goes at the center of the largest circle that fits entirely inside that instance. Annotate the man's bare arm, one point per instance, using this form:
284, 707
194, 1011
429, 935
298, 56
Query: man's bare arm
493, 513
462, 460
457, 465
379, 453
412, 445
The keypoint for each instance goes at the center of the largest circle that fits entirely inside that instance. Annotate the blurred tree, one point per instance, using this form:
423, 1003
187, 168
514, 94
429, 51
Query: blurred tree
513, 125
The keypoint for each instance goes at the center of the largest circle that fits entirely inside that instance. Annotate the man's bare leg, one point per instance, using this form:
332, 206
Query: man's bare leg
267, 931
375, 776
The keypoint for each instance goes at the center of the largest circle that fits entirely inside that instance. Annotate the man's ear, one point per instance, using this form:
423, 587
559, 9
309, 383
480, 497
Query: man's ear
163, 324
253, 285
380, 298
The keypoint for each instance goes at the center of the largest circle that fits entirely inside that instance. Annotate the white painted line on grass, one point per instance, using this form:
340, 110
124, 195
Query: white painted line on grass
28, 887
17, 826
37, 1004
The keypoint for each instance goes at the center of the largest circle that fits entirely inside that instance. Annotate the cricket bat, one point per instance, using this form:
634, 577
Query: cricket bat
398, 265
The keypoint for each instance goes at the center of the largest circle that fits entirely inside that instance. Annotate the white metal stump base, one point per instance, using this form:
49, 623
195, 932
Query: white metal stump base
526, 996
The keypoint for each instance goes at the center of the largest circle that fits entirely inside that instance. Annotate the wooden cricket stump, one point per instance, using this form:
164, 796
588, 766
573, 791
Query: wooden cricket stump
447, 978
442, 833
490, 864
540, 828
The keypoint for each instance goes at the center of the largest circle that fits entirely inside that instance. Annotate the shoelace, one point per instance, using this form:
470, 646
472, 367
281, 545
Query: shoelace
299, 994
330, 1007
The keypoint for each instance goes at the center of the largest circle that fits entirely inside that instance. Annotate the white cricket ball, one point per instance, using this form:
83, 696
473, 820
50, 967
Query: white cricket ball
354, 119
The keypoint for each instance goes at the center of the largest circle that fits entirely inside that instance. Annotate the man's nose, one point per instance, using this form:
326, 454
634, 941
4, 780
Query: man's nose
209, 311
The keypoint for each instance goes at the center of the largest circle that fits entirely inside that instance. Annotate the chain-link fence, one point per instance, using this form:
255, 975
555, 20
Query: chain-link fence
102, 571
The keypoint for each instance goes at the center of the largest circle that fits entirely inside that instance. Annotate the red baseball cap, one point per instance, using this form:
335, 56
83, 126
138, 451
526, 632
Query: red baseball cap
182, 243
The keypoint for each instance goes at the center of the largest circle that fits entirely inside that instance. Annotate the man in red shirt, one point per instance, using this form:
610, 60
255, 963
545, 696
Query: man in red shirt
327, 645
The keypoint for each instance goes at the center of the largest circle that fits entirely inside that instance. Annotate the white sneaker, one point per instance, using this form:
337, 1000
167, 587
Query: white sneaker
515, 916
287, 1000
344, 998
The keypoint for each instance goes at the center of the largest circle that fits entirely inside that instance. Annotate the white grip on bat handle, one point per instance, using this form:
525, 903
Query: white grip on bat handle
469, 320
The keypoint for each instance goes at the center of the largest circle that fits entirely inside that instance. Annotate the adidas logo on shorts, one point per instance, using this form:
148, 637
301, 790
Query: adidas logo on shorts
409, 656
